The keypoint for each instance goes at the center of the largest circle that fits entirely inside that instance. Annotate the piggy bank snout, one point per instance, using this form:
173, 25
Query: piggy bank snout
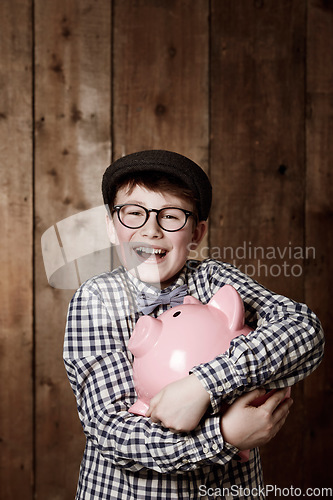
145, 335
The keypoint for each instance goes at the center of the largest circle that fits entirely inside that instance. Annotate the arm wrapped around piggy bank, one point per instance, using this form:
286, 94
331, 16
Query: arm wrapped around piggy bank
166, 348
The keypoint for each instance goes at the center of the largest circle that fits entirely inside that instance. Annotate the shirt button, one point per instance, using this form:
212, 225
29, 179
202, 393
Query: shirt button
205, 449
227, 385
214, 446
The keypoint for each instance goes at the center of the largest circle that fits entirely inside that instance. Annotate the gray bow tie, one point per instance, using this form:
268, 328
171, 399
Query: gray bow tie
147, 302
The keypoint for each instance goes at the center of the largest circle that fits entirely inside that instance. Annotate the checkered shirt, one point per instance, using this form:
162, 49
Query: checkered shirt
129, 457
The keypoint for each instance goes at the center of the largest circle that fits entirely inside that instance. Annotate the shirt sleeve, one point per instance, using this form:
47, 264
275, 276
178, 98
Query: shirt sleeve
100, 372
286, 345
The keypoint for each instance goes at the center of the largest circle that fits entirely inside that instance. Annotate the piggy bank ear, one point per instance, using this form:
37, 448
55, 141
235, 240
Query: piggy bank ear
145, 335
228, 301
188, 299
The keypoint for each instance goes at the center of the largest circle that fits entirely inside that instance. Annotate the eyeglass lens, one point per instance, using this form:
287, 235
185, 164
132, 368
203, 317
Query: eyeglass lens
134, 216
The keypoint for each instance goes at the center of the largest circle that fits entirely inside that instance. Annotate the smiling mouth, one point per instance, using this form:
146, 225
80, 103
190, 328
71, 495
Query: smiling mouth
149, 253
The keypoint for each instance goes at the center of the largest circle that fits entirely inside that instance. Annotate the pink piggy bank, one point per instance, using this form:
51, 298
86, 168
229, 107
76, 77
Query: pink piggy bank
166, 348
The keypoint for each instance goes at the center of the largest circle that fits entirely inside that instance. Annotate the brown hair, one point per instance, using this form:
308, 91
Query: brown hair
157, 182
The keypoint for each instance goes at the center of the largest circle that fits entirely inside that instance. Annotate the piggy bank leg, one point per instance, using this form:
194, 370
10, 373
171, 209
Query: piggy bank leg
139, 408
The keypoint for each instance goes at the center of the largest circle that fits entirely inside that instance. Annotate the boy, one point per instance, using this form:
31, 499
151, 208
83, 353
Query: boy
158, 204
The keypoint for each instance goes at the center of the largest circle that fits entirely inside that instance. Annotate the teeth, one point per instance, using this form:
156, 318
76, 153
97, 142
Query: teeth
150, 250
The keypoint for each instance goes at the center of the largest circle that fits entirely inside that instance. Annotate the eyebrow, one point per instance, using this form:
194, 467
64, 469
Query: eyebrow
143, 204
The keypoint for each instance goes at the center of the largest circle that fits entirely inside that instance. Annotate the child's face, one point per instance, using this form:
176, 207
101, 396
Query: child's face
157, 268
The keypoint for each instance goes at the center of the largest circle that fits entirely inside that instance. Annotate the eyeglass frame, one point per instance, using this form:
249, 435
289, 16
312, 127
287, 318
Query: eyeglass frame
148, 211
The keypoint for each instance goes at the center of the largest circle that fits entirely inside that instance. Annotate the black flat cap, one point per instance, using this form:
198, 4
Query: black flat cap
166, 162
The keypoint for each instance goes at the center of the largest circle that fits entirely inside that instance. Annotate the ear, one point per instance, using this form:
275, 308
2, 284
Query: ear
188, 299
110, 229
228, 301
198, 233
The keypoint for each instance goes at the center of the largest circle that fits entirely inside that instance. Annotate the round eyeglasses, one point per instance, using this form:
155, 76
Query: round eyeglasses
135, 216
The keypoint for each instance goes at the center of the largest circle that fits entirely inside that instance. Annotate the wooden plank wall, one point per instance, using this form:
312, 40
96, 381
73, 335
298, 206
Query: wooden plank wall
16, 251
318, 400
72, 148
242, 87
258, 143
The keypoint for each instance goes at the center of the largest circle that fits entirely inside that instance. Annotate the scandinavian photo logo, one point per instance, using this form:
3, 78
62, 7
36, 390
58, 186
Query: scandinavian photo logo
260, 261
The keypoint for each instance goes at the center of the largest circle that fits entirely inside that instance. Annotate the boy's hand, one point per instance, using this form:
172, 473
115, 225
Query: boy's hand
180, 405
245, 426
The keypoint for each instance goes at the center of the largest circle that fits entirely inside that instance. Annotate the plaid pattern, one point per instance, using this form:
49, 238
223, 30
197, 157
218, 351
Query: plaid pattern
129, 457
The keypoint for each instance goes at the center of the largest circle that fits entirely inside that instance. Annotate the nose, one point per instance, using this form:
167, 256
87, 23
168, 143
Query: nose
151, 228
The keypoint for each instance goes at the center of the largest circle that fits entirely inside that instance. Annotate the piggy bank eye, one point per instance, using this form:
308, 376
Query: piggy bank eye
177, 313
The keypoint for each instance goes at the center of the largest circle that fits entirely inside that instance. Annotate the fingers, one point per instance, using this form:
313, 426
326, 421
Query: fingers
154, 419
282, 411
272, 403
152, 406
157, 421
153, 413
280, 416
249, 397
276, 408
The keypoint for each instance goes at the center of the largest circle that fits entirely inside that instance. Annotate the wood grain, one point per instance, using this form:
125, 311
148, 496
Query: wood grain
160, 80
16, 251
257, 164
257, 151
72, 99
160, 70
319, 224
243, 88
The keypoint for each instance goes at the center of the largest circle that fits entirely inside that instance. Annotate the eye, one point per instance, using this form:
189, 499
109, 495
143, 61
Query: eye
170, 216
135, 212
177, 313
